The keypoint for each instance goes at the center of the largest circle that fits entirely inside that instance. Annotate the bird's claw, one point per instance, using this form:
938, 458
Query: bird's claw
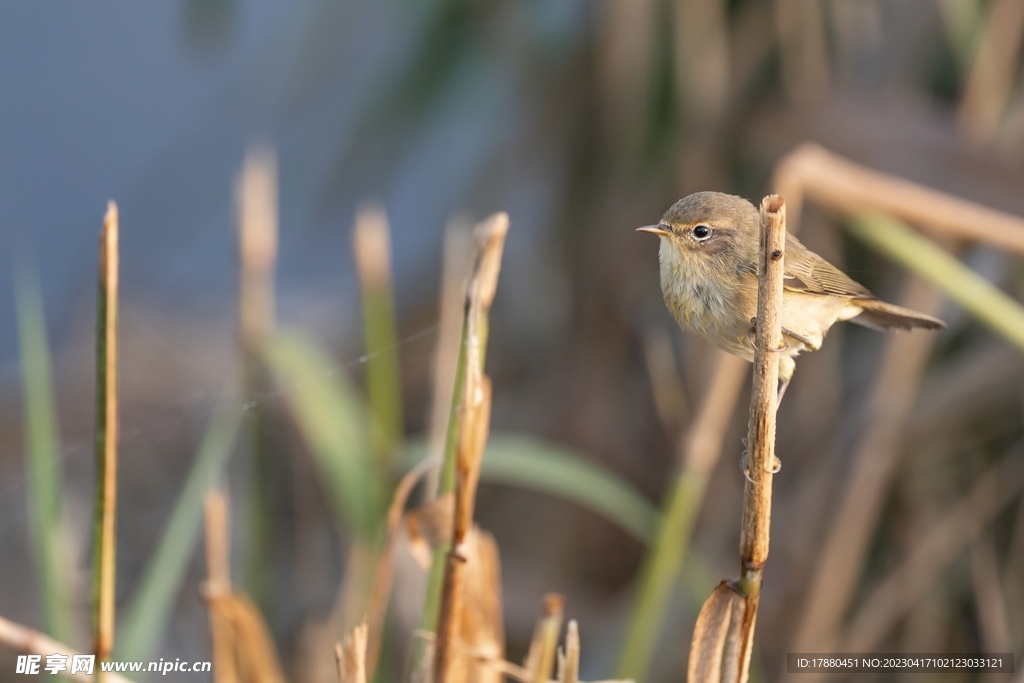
752, 337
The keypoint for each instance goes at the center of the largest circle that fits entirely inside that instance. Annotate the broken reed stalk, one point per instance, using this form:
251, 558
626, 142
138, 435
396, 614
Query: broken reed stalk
813, 172
761, 461
257, 218
104, 528
544, 646
461, 469
350, 654
371, 243
569, 658
481, 287
475, 423
24, 639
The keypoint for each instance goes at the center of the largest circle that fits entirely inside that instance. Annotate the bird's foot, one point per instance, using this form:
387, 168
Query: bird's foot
752, 337
773, 468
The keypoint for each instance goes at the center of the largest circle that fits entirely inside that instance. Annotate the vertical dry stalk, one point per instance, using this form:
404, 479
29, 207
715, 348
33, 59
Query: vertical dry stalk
473, 425
761, 460
218, 583
105, 532
989, 601
540, 658
991, 78
257, 217
256, 202
351, 656
803, 49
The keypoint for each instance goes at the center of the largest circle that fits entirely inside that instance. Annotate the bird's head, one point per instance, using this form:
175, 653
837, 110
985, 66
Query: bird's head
707, 223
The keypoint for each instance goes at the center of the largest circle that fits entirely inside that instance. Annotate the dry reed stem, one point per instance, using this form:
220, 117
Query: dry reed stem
371, 242
569, 658
351, 656
760, 462
481, 620
874, 461
256, 205
991, 77
243, 650
990, 604
803, 49
218, 582
105, 544
835, 181
383, 576
29, 641
940, 545
540, 659
473, 426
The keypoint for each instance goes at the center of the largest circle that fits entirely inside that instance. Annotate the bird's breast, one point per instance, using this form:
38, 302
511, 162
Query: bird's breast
701, 296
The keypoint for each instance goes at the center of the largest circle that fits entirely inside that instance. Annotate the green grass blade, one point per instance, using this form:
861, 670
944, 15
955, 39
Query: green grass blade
331, 419
975, 294
372, 246
530, 463
43, 460
152, 604
534, 464
660, 572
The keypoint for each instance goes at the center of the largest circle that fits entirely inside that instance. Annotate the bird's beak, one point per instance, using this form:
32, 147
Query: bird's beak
654, 230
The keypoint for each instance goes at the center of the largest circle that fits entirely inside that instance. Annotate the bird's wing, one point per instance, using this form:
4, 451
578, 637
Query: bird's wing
808, 273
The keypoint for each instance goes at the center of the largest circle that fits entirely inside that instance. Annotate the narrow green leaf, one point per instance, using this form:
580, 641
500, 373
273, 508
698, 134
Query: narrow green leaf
531, 463
534, 464
975, 294
43, 460
660, 572
372, 246
332, 420
154, 600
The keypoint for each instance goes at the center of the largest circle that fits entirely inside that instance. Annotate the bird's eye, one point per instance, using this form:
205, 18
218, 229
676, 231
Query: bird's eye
702, 232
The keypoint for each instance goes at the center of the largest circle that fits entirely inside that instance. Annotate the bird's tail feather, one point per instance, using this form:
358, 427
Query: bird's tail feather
880, 315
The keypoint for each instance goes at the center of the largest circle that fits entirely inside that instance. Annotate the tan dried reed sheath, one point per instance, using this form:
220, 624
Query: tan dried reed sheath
476, 413
105, 529
818, 174
384, 574
757, 492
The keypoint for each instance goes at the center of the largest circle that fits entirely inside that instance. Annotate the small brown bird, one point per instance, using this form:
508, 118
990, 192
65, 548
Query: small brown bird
708, 255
